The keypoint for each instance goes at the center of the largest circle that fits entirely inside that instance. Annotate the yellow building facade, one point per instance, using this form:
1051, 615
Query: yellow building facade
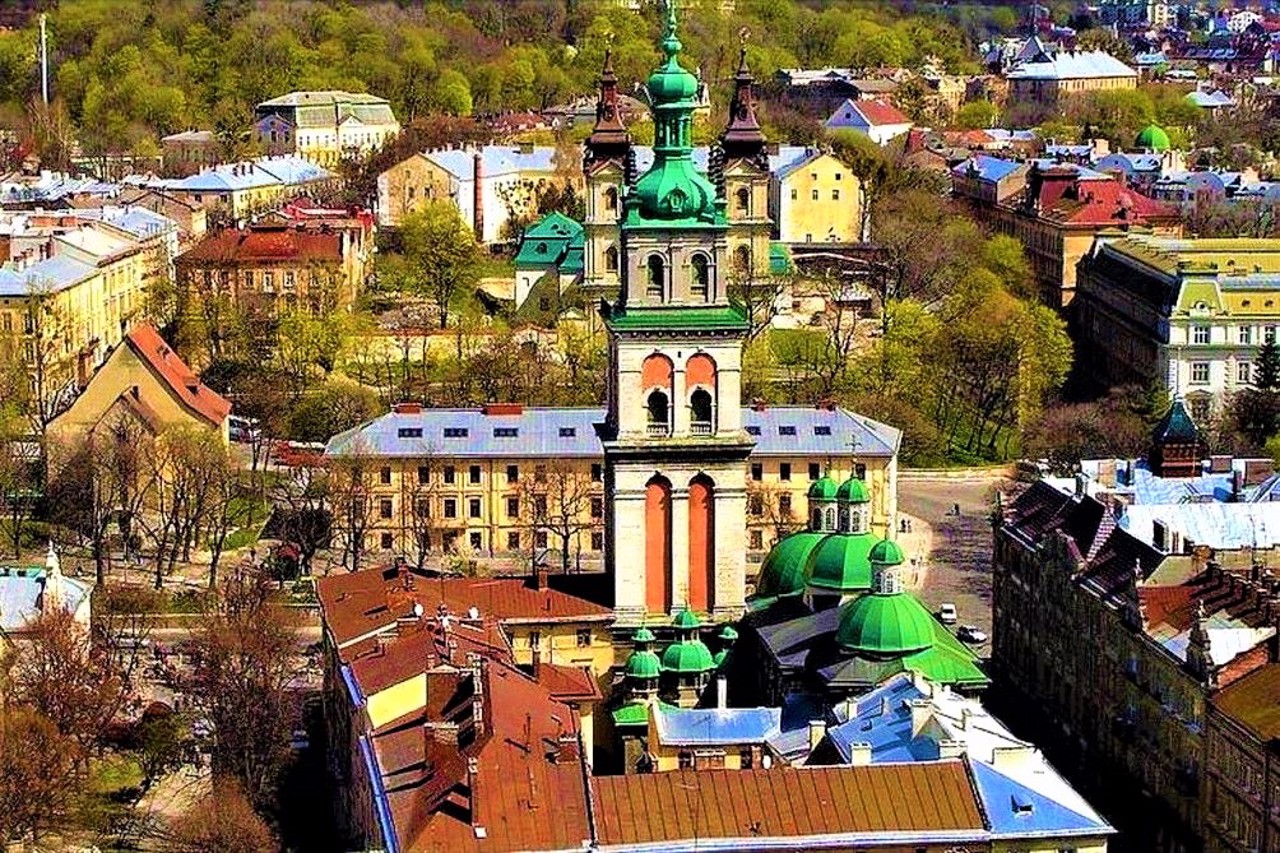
817, 199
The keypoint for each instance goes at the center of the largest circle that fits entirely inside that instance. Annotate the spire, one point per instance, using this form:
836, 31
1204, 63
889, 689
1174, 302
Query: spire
609, 139
742, 138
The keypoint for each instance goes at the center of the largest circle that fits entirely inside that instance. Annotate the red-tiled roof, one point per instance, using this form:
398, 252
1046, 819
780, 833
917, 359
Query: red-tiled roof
233, 245
785, 803
528, 795
1101, 202
422, 645
569, 683
362, 602
173, 371
878, 113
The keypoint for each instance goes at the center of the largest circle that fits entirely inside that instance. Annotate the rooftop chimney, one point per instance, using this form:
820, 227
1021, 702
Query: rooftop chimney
473, 794
817, 731
477, 197
859, 754
540, 576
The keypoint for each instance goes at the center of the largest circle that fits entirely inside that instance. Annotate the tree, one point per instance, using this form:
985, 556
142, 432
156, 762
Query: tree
976, 115
224, 821
1266, 371
334, 407
349, 490
441, 258
1111, 428
560, 501
39, 773
247, 646
1103, 39
302, 509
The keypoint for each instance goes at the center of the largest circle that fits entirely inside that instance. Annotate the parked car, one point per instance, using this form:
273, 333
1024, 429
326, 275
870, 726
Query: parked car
971, 634
947, 614
242, 429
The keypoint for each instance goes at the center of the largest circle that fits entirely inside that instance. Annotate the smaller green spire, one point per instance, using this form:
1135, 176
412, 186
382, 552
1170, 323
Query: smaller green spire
644, 635
687, 620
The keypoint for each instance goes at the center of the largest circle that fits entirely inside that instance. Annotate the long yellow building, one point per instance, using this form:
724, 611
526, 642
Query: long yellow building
509, 481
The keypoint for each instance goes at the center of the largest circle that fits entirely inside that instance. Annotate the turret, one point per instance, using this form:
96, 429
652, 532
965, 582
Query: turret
742, 138
609, 139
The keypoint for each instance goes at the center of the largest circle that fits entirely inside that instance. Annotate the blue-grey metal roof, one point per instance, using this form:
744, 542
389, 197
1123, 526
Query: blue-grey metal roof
1130, 162
251, 174
494, 160
986, 167
1017, 810
711, 726
52, 275
570, 432
20, 592
1072, 65
138, 221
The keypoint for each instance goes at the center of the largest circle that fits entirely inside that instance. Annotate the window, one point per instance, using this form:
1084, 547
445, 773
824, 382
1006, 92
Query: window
386, 542
814, 194
597, 540
655, 286
611, 259
597, 472
1246, 335
540, 473
784, 471
384, 475
786, 430
584, 638
838, 175
659, 410
535, 639
473, 507
745, 759
1268, 334
611, 201
540, 506
822, 429
795, 194
384, 508
755, 505
753, 430
757, 540
1200, 334
568, 432
422, 507
815, 470
448, 475
701, 276
1200, 372
513, 540
540, 538
742, 259
505, 432
700, 404
513, 507
476, 542
268, 282
450, 508
597, 508
473, 475
685, 760
1244, 372
455, 432
513, 474
835, 195
860, 471
757, 471
784, 506
409, 432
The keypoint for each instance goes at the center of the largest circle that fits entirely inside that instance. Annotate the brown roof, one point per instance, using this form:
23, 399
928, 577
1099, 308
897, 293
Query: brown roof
528, 795
362, 602
1254, 702
420, 646
232, 245
173, 371
568, 683
785, 802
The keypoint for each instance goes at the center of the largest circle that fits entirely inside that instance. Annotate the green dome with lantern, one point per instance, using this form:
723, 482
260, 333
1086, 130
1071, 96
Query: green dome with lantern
687, 655
727, 637
1153, 138
785, 569
643, 663
823, 489
886, 552
883, 624
853, 490
841, 563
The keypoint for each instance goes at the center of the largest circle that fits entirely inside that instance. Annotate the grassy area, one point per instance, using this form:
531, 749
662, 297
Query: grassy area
114, 782
497, 266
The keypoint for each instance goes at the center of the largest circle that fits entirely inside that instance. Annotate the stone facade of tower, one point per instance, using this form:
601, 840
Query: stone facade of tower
675, 449
742, 159
605, 163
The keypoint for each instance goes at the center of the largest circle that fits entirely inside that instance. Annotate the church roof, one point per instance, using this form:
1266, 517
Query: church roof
1176, 426
840, 562
886, 624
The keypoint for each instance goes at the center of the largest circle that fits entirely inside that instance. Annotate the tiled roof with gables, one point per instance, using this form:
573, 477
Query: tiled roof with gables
256, 245
146, 342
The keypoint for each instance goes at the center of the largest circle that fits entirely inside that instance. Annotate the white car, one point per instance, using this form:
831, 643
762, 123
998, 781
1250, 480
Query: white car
971, 634
947, 614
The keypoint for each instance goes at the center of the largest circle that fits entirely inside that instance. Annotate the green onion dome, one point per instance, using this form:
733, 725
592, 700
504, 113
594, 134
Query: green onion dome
785, 569
841, 562
643, 664
644, 635
823, 489
687, 657
885, 625
686, 620
886, 552
1153, 138
728, 634
853, 490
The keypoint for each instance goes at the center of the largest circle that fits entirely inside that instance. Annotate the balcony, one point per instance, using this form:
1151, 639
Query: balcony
659, 430
700, 428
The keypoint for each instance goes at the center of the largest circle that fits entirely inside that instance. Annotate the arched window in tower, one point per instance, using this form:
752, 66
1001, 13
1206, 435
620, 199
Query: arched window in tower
701, 275
611, 199
743, 196
611, 259
656, 280
742, 260
659, 413
702, 543
657, 545
700, 378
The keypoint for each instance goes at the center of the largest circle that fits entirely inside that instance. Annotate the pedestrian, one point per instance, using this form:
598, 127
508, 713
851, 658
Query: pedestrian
956, 510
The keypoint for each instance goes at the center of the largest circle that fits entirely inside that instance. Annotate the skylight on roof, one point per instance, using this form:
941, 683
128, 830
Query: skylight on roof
409, 432
786, 430
568, 432
1020, 804
456, 432
822, 429
505, 432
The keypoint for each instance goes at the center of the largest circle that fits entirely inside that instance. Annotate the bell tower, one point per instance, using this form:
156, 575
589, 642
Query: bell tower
605, 162
675, 450
743, 164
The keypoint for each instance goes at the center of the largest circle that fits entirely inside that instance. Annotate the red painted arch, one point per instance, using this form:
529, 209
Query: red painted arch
656, 372
702, 543
700, 370
657, 545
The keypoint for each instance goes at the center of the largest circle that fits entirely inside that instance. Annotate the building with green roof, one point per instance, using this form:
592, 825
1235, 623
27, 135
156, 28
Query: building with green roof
1152, 138
551, 248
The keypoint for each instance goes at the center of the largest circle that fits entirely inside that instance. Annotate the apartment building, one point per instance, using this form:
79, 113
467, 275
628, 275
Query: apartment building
324, 127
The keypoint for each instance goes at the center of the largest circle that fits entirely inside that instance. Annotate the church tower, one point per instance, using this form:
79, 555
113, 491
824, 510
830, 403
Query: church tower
742, 161
675, 451
606, 161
